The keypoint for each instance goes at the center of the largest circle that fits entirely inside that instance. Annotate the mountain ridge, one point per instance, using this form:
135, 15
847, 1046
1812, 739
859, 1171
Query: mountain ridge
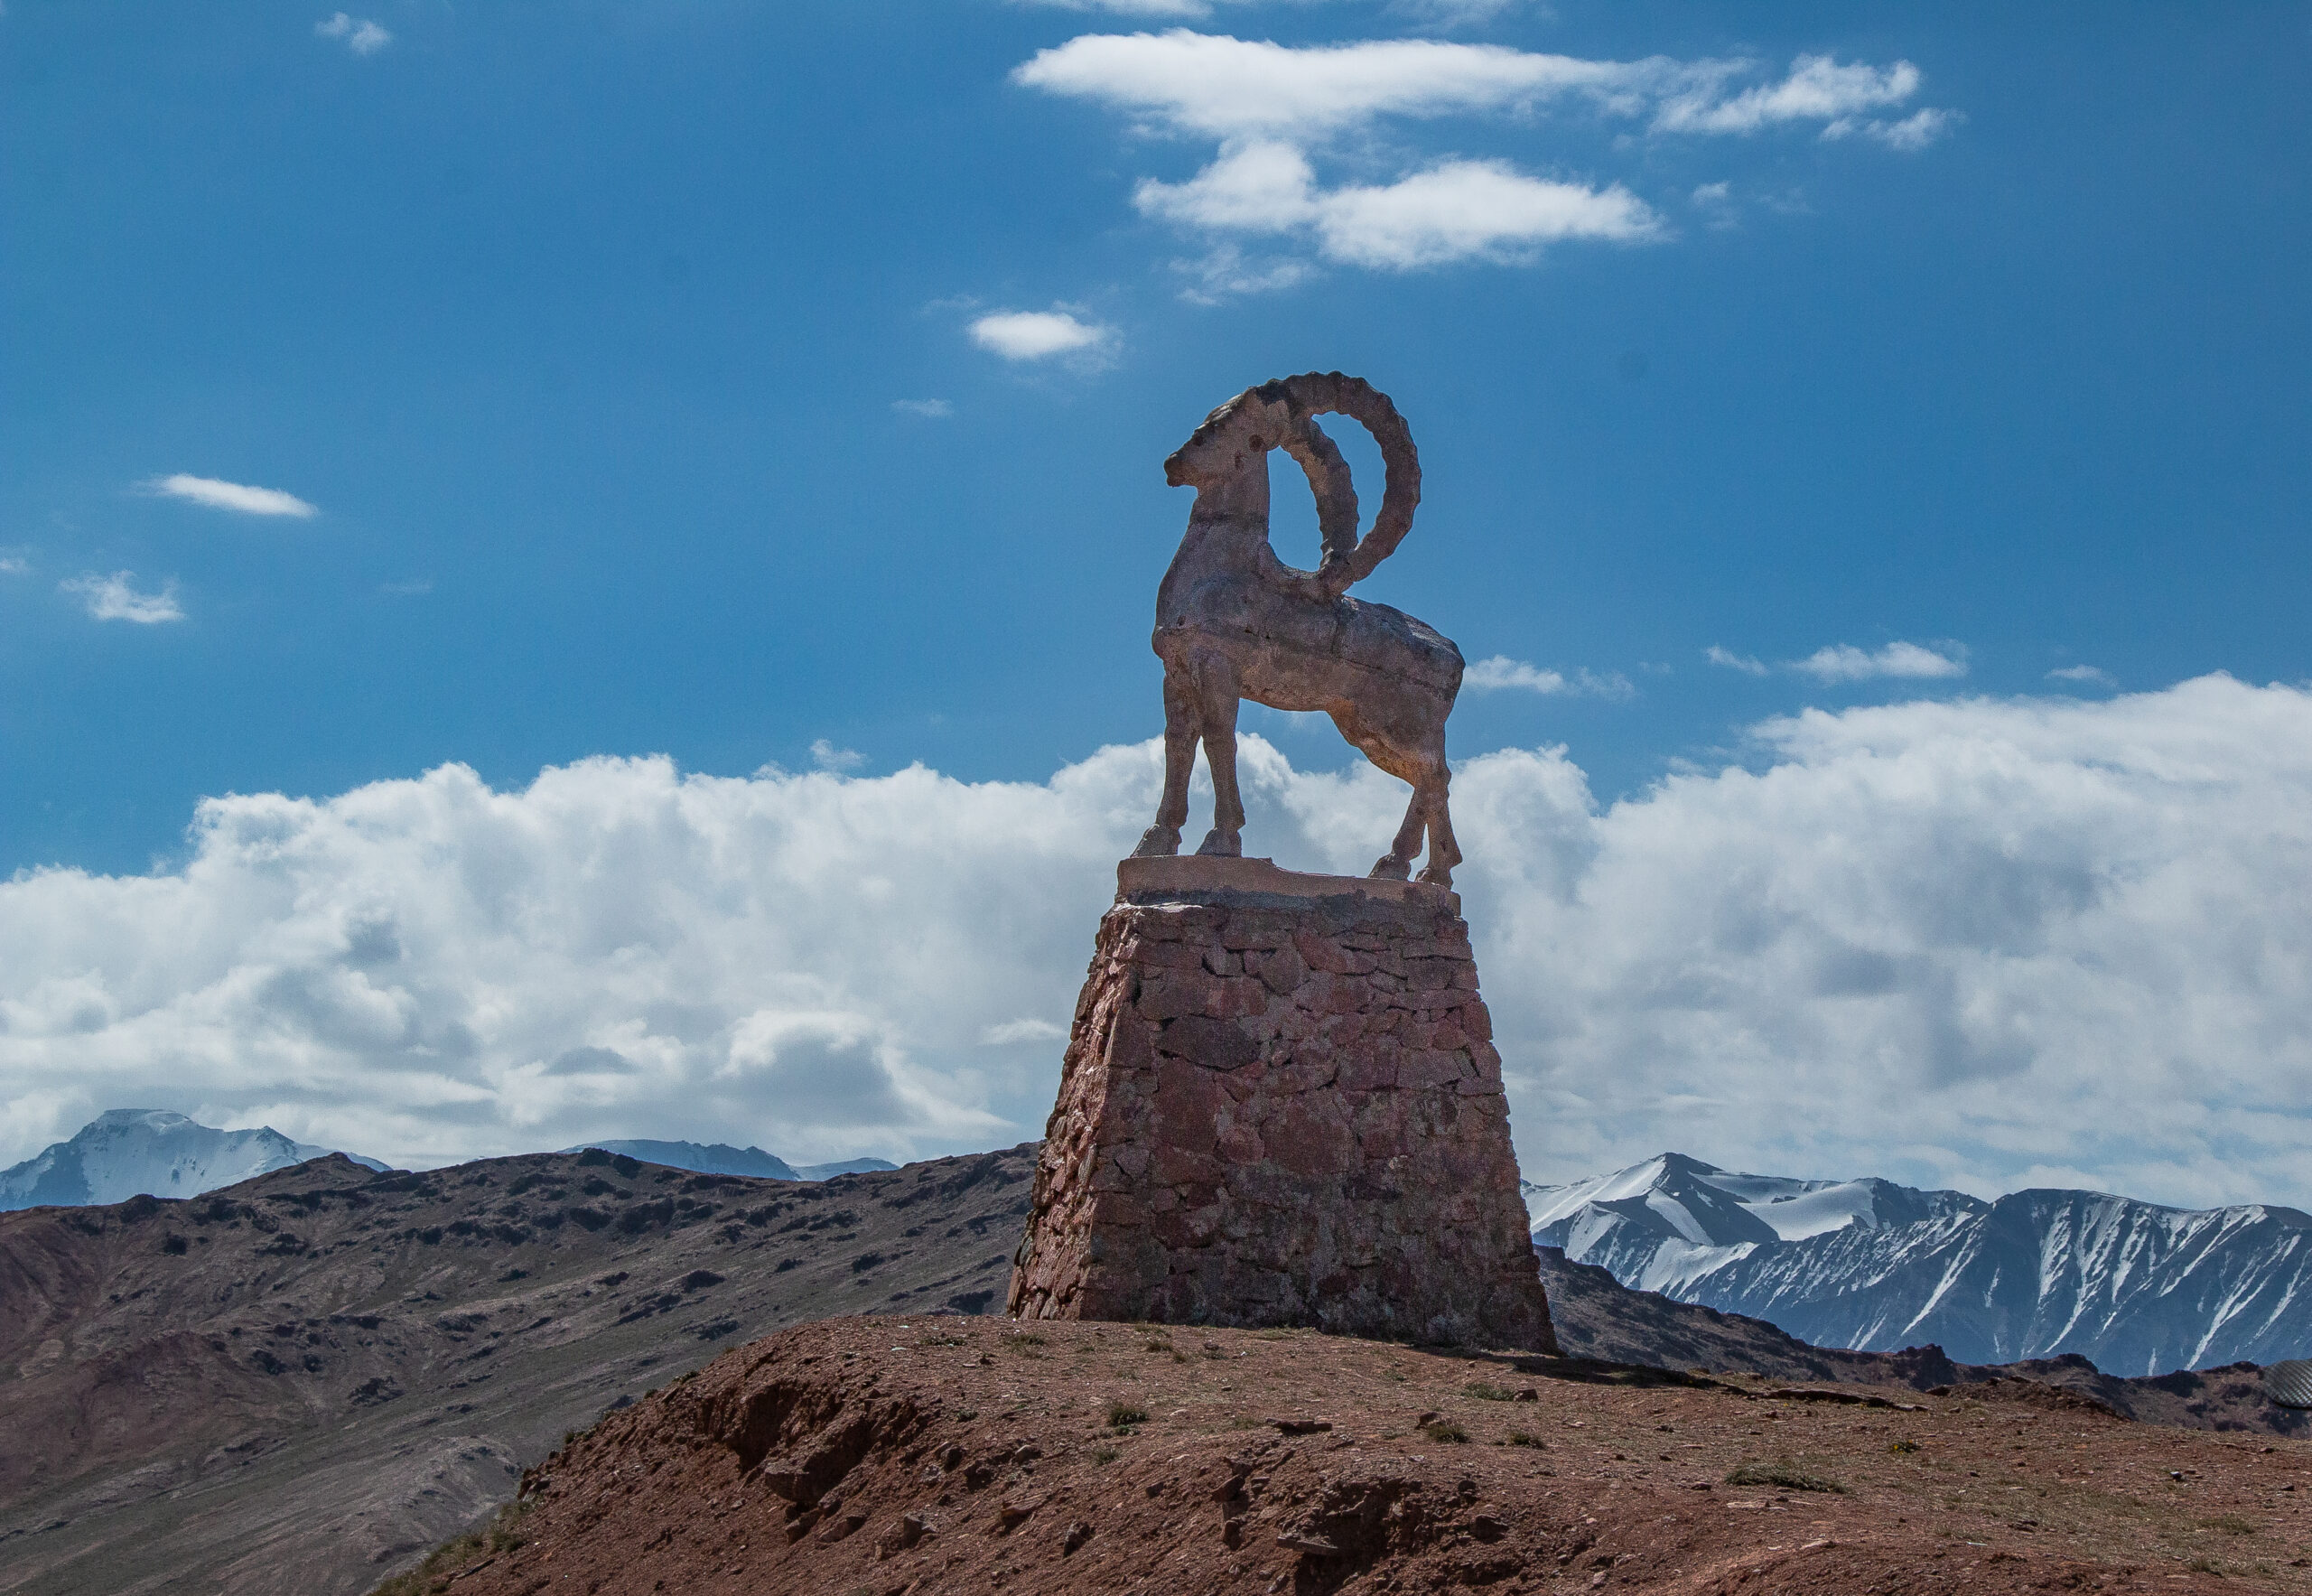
719, 1158
2136, 1287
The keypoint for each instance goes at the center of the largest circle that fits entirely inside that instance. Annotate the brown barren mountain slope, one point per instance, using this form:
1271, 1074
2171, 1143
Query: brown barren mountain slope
900, 1456
302, 1382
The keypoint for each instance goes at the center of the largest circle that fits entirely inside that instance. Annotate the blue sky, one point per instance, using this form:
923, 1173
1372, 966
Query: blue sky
588, 320
626, 358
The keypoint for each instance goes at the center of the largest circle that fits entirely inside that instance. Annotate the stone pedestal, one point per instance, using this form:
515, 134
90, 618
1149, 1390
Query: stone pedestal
1281, 1105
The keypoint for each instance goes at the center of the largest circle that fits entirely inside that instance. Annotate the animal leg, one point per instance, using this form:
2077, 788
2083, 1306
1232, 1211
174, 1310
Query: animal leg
1397, 863
1181, 726
1220, 706
1444, 852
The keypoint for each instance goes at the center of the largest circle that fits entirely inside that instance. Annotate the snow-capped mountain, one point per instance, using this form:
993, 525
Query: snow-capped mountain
1869, 1265
126, 1152
719, 1158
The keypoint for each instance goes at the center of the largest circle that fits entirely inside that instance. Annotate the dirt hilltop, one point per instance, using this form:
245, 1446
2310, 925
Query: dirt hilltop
897, 1456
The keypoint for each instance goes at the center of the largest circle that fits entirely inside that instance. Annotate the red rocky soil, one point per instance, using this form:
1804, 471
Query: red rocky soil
888, 1456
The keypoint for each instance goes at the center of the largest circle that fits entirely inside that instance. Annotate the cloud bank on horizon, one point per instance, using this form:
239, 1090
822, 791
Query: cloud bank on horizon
1275, 110
1981, 942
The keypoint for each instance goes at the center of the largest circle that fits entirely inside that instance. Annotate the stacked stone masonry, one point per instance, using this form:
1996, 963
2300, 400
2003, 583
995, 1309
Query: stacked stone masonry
1285, 1111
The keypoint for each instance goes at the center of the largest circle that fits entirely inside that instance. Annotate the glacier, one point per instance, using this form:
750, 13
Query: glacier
2135, 1287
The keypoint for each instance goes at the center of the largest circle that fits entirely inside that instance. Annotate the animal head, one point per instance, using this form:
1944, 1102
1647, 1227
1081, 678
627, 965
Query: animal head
1283, 414
1244, 429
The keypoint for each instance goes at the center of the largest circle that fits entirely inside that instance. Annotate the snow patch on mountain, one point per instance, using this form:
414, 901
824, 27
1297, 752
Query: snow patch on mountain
128, 1152
1875, 1266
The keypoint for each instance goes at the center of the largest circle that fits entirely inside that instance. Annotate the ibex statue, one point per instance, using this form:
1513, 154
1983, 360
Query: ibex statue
1232, 622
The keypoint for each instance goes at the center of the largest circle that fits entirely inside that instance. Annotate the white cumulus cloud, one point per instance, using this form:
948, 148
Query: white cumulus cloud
1843, 662
1817, 88
1730, 661
1502, 672
361, 36
1465, 209
2091, 674
115, 598
233, 496
1448, 13
1039, 335
1226, 271
1456, 210
1276, 109
1976, 942
1913, 131
826, 756
1226, 87
1023, 1030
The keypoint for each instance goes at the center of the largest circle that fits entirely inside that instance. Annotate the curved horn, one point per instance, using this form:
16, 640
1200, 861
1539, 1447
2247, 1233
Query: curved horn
1321, 393
1320, 461
1281, 414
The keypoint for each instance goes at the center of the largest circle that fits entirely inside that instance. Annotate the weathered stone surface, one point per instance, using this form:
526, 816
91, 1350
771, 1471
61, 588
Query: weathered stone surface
1280, 1107
1234, 621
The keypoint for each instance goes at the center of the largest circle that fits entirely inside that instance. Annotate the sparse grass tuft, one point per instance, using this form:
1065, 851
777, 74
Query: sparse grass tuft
1445, 1432
1105, 1454
1123, 1415
1902, 1448
1788, 1475
433, 1575
2231, 1523
1484, 1392
1527, 1438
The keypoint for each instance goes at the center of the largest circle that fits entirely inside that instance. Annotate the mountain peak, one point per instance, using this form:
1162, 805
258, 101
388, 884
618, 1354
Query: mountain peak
126, 1152
117, 1118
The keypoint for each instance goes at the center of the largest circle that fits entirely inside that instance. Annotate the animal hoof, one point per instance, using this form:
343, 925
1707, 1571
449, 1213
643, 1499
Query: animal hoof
1391, 868
1158, 842
1221, 844
1437, 875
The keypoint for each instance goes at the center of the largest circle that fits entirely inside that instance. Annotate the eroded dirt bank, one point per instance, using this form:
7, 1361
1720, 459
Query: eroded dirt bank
890, 1455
